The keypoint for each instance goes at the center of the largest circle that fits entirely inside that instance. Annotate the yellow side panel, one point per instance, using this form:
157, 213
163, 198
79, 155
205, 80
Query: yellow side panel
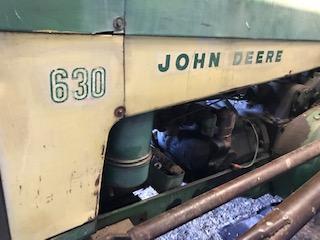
57, 98
148, 88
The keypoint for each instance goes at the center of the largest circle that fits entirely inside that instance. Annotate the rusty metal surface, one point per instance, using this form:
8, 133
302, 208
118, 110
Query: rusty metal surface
118, 229
301, 130
292, 135
227, 120
291, 215
217, 196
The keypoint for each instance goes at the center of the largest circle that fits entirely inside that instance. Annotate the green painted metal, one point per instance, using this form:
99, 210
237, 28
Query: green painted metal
263, 19
163, 182
81, 16
256, 19
122, 177
151, 207
129, 138
164, 173
292, 180
128, 148
79, 233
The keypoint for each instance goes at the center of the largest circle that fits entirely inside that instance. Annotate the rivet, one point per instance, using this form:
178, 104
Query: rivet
120, 112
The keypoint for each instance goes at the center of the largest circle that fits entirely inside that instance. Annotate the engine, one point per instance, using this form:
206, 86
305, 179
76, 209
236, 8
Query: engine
232, 130
237, 130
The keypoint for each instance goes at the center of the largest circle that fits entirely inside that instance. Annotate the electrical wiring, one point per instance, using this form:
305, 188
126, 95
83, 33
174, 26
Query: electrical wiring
253, 161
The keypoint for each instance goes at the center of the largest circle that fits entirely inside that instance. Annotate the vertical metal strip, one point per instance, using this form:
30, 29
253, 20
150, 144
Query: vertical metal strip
4, 225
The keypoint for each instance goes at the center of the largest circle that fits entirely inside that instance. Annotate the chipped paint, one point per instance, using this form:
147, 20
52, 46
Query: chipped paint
17, 15
58, 161
96, 183
289, 163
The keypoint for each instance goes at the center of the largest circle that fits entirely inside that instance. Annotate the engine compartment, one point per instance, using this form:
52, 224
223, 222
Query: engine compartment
230, 132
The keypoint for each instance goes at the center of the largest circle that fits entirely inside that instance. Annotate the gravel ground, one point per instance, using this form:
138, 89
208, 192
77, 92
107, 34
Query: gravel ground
210, 225
311, 231
214, 225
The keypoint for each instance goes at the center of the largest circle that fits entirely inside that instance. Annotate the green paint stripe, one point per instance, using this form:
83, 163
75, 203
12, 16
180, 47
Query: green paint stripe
262, 19
81, 16
254, 19
78, 233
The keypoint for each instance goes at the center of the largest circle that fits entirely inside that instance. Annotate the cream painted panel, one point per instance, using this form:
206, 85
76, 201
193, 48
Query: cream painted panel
51, 154
147, 88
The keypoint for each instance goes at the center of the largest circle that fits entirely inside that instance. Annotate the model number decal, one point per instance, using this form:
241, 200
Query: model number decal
80, 84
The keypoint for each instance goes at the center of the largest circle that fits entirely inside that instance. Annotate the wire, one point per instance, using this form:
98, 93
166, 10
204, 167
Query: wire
253, 161
209, 104
195, 111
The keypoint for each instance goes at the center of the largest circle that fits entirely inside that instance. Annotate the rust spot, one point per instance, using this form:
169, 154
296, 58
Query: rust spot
292, 136
49, 198
20, 188
38, 192
40, 179
96, 193
96, 183
102, 150
44, 146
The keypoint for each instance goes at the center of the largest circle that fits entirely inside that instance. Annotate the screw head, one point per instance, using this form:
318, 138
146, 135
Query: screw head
118, 23
119, 112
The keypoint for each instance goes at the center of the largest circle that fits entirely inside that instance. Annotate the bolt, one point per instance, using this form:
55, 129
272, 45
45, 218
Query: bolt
120, 112
316, 116
158, 165
118, 23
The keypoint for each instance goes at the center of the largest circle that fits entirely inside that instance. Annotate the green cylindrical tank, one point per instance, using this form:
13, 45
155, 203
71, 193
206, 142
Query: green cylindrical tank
128, 152
300, 131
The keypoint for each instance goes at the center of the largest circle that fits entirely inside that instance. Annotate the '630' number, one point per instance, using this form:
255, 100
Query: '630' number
89, 84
